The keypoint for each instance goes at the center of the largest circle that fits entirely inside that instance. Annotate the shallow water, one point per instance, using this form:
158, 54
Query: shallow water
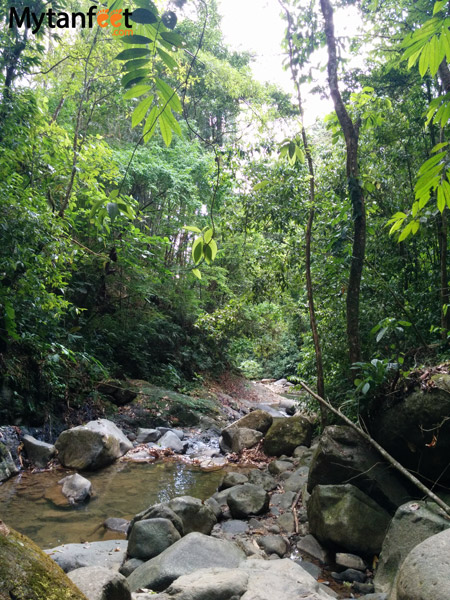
121, 490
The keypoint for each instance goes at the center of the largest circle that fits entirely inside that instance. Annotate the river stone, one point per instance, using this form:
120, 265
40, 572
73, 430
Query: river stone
116, 524
247, 499
311, 546
297, 480
7, 465
279, 466
350, 561
76, 488
109, 554
194, 551
26, 572
194, 514
150, 537
171, 440
129, 566
256, 419
232, 479
425, 573
92, 446
413, 523
98, 583
285, 435
273, 544
262, 479
342, 516
144, 436
236, 439
159, 511
343, 455
39, 453
286, 522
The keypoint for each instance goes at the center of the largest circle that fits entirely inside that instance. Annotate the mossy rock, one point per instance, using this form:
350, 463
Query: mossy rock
285, 435
27, 573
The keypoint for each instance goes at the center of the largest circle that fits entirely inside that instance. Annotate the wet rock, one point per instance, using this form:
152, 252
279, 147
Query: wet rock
193, 552
194, 514
413, 523
247, 499
150, 537
116, 524
341, 515
7, 465
232, 479
425, 573
236, 439
159, 511
342, 454
351, 561
350, 575
92, 446
363, 588
39, 453
273, 544
262, 479
76, 488
25, 568
285, 435
98, 583
108, 554
171, 440
144, 436
314, 548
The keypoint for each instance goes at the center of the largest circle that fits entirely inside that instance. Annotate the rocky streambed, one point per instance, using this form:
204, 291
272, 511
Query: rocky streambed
307, 519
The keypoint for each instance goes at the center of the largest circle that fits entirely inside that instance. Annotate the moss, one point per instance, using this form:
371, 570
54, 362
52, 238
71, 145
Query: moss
27, 573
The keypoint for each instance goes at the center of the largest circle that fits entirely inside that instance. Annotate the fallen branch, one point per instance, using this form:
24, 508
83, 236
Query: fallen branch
390, 459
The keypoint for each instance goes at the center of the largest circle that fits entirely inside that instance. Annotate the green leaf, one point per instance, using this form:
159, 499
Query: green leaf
170, 62
192, 228
261, 185
396, 226
415, 227
137, 91
197, 273
213, 248
114, 194
113, 210
207, 254
365, 388
405, 233
172, 121
440, 199
291, 149
207, 236
174, 39
166, 129
144, 16
438, 6
133, 53
424, 61
137, 39
428, 164
137, 63
439, 147
381, 333
130, 79
197, 250
169, 95
140, 111
149, 127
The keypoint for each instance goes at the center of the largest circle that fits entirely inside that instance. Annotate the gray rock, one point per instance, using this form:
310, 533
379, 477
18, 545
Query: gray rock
311, 546
247, 499
144, 436
234, 526
159, 511
76, 488
129, 566
297, 480
350, 575
7, 465
236, 439
194, 514
283, 500
279, 466
262, 479
108, 554
215, 507
92, 446
286, 522
116, 524
413, 523
285, 435
98, 583
193, 552
341, 515
150, 537
273, 544
310, 568
351, 561
231, 479
343, 455
171, 440
39, 453
177, 432
259, 420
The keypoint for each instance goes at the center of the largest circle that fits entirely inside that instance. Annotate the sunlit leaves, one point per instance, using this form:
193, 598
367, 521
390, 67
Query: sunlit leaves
204, 247
291, 150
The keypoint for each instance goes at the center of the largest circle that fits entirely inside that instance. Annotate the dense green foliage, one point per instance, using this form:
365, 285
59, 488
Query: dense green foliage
173, 252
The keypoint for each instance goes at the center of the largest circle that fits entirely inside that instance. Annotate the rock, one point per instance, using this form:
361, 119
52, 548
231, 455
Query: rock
172, 441
259, 420
413, 523
116, 524
192, 552
273, 544
234, 526
236, 439
159, 511
286, 434
98, 583
279, 466
147, 435
129, 566
406, 430
247, 499
310, 568
150, 537
262, 479
92, 446
342, 516
343, 455
39, 453
350, 575
351, 561
311, 546
215, 507
297, 480
26, 572
425, 572
194, 514
7, 465
118, 391
108, 554
286, 522
76, 488
178, 432
231, 479
283, 500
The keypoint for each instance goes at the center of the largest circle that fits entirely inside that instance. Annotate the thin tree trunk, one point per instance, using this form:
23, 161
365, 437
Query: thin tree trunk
354, 187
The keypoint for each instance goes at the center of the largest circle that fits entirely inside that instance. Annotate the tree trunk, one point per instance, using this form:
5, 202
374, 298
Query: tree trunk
354, 187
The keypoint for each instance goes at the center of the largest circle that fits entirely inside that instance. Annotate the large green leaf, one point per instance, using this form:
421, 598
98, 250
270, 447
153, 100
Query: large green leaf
137, 91
140, 111
149, 127
133, 65
169, 95
133, 53
144, 16
137, 39
134, 77
166, 129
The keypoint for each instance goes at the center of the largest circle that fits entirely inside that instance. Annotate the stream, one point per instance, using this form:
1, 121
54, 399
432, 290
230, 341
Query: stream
120, 490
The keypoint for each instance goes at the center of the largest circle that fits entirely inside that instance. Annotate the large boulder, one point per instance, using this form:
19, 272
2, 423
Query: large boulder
194, 551
236, 439
39, 453
109, 554
194, 514
425, 573
7, 465
413, 523
98, 583
159, 511
343, 455
260, 420
247, 499
27, 573
416, 430
285, 435
342, 516
92, 446
150, 537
